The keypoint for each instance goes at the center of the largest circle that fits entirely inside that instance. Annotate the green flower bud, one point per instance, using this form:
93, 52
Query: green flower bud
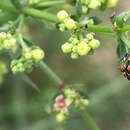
74, 48
62, 15
90, 36
60, 117
66, 48
70, 24
38, 55
6, 44
111, 3
13, 44
85, 102
27, 53
83, 48
94, 44
74, 55
84, 10
70, 93
62, 27
94, 4
2, 35
75, 41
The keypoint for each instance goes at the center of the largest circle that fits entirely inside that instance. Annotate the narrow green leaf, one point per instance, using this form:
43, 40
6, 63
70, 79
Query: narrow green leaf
120, 19
79, 8
121, 49
124, 38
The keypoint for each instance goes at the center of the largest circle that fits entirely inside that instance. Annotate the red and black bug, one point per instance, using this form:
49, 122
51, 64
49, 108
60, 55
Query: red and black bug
125, 67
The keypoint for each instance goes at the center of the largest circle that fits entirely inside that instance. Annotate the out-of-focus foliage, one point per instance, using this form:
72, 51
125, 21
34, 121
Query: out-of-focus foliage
22, 108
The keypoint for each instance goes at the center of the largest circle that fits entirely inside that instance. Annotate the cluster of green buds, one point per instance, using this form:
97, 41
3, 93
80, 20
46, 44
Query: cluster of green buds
29, 57
80, 46
7, 42
97, 4
66, 23
3, 71
67, 98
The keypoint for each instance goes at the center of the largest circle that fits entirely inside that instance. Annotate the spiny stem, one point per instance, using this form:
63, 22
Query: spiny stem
50, 73
92, 125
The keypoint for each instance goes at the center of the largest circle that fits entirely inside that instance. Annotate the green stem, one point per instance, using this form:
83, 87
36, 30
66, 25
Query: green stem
21, 41
50, 73
101, 29
92, 125
39, 14
45, 68
125, 29
21, 23
30, 82
6, 6
48, 3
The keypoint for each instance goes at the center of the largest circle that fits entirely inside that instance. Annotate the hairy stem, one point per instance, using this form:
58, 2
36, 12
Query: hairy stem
92, 125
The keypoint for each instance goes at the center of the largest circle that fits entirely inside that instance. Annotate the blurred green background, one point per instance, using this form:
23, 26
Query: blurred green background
22, 108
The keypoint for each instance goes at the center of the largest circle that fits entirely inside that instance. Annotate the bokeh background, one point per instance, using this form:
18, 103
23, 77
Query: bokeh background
22, 108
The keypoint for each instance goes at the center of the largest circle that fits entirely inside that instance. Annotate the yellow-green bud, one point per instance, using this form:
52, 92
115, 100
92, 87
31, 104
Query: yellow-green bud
74, 55
90, 36
84, 10
62, 15
70, 24
94, 4
6, 44
66, 48
111, 3
85, 102
74, 48
83, 49
70, 93
38, 54
75, 41
60, 117
94, 44
62, 27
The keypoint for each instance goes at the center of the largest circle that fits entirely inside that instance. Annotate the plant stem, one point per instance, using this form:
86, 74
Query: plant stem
45, 68
6, 6
30, 82
50, 73
39, 14
92, 125
101, 29
21, 23
125, 29
48, 3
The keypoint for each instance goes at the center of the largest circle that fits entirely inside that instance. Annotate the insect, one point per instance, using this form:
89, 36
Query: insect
125, 67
